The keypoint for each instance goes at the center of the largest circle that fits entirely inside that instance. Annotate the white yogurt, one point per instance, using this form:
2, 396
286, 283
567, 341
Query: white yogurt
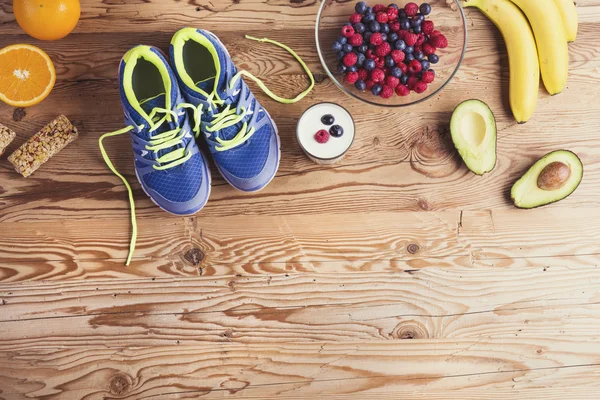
310, 123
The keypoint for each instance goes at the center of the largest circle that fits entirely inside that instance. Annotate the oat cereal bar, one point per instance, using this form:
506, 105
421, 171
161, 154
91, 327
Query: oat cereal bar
6, 137
36, 151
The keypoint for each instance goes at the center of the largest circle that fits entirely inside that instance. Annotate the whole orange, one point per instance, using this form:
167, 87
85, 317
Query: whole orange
47, 19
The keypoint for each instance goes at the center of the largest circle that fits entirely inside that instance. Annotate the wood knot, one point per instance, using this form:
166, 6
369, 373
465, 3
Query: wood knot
413, 248
120, 384
410, 330
424, 205
194, 256
19, 114
319, 78
376, 141
433, 154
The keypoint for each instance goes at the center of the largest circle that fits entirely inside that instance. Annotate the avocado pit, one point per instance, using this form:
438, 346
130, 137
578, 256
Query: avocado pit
554, 176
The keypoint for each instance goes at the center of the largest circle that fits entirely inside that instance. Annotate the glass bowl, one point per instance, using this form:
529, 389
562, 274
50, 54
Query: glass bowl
449, 19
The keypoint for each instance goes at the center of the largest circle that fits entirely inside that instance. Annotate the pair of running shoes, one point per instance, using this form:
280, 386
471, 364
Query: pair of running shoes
198, 94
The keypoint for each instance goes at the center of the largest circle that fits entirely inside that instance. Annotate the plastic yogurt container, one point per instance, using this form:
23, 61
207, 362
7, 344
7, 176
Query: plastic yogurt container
318, 117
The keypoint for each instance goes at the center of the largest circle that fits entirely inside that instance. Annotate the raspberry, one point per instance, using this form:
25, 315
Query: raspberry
363, 74
427, 77
322, 136
379, 62
377, 8
350, 59
376, 39
410, 38
382, 18
402, 90
398, 56
412, 81
370, 54
428, 49
351, 77
403, 67
377, 75
420, 87
347, 31
415, 66
418, 48
355, 18
435, 33
392, 13
427, 27
411, 9
395, 26
420, 39
387, 92
383, 49
370, 84
439, 41
392, 81
355, 40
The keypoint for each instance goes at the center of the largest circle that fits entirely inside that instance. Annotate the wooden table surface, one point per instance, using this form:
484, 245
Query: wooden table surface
396, 274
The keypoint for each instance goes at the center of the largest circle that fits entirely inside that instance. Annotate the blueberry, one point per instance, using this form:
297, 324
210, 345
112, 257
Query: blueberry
342, 68
340, 54
419, 55
393, 37
336, 130
360, 85
410, 57
361, 7
384, 37
425, 9
347, 48
393, 5
362, 48
374, 26
376, 90
433, 59
389, 62
425, 64
359, 28
352, 68
360, 59
414, 23
396, 72
404, 79
347, 24
369, 11
327, 119
342, 40
418, 29
385, 28
400, 45
369, 64
367, 36
368, 18
419, 17
405, 24
402, 14
336, 46
409, 50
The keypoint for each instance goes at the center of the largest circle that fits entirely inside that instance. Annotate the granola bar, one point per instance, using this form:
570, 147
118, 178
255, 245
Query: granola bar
43, 145
6, 137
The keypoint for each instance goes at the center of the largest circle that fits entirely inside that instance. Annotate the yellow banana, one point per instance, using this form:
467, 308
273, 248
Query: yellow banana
550, 36
522, 53
568, 11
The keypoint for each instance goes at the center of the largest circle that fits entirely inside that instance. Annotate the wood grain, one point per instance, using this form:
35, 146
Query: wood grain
395, 274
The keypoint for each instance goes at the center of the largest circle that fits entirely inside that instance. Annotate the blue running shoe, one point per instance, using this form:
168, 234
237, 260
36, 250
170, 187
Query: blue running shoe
241, 135
168, 164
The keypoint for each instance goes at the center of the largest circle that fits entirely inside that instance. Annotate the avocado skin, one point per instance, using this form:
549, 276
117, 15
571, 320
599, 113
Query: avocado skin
554, 201
495, 135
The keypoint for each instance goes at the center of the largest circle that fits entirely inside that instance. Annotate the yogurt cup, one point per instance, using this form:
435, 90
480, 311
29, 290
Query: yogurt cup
311, 122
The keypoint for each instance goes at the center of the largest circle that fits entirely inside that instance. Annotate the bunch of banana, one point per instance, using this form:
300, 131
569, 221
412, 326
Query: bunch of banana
536, 33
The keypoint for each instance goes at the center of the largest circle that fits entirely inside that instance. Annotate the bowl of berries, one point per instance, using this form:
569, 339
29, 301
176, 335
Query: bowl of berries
395, 55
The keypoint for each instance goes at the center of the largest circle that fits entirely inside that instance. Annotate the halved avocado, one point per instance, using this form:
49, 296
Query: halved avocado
552, 178
473, 129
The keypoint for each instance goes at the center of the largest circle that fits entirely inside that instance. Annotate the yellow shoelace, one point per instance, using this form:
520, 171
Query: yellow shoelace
223, 119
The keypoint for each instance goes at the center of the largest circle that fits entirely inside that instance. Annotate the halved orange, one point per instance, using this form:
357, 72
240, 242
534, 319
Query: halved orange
27, 75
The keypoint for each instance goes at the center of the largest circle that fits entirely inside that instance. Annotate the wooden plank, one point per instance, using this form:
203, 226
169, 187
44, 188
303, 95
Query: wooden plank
311, 370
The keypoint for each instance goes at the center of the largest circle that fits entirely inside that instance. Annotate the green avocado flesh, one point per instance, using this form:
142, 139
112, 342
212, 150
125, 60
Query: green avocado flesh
552, 178
473, 129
